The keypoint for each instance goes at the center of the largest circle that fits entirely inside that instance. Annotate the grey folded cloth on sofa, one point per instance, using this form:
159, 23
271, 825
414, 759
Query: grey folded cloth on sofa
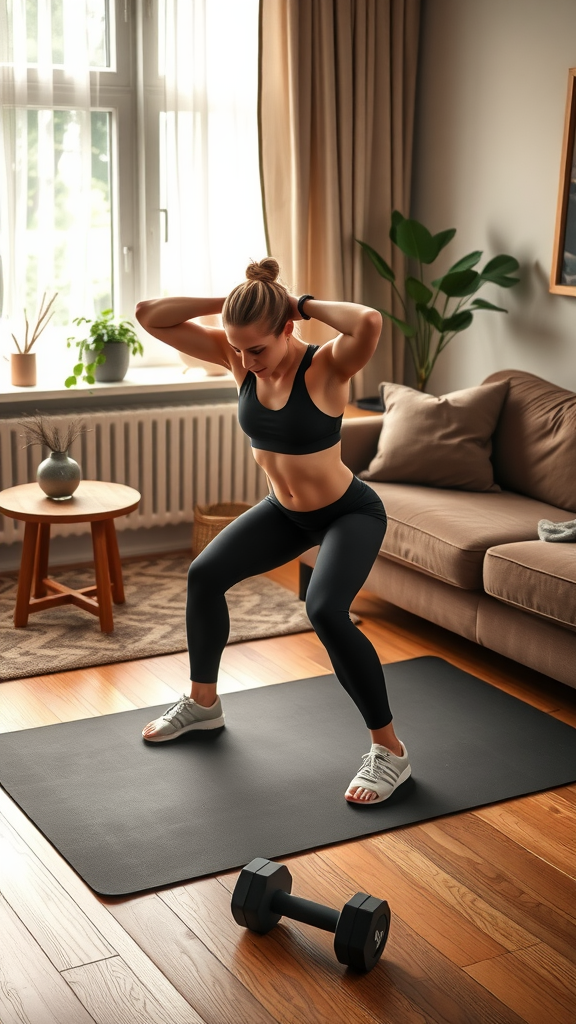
548, 530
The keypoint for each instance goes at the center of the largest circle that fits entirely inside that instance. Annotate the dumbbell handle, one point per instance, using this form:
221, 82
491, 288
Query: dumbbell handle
304, 910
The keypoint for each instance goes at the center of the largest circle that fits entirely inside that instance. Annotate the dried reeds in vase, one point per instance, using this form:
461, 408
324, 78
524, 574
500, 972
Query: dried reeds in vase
39, 431
23, 362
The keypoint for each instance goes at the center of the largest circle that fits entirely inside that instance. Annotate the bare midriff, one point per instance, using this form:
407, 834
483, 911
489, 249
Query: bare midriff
306, 482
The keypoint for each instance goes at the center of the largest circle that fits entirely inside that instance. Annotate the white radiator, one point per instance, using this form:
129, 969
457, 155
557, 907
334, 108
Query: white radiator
176, 456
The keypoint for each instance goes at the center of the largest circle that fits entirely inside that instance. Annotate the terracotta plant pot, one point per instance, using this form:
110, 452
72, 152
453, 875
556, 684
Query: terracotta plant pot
23, 369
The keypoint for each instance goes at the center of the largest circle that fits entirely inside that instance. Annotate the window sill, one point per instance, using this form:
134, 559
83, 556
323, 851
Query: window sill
143, 381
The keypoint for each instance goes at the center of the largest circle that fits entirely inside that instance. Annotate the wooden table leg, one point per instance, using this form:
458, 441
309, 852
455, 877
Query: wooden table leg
41, 560
114, 563
25, 576
103, 587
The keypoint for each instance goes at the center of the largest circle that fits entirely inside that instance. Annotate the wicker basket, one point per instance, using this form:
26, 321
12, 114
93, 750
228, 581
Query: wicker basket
209, 520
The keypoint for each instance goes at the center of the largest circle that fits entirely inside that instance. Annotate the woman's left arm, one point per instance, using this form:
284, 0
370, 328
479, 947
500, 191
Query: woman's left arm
359, 328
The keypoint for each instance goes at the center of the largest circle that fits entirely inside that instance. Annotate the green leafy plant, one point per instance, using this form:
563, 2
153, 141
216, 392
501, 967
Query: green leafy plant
435, 313
90, 354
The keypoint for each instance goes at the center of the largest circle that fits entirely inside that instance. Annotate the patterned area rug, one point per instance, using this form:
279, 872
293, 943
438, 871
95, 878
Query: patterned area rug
151, 622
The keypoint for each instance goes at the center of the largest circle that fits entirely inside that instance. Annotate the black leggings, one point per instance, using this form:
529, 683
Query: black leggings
350, 532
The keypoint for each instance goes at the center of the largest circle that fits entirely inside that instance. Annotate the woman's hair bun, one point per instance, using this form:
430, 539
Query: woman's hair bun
248, 303
266, 270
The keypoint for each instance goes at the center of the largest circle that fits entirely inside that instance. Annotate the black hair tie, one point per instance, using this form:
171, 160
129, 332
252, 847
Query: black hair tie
301, 301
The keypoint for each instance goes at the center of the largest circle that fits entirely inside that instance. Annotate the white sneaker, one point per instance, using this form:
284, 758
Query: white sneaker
184, 716
381, 772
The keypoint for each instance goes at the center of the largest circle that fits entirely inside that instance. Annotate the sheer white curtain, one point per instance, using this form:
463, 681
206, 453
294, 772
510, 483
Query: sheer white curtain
209, 182
45, 157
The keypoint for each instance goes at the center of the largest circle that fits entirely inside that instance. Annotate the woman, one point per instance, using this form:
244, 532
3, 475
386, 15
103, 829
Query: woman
291, 400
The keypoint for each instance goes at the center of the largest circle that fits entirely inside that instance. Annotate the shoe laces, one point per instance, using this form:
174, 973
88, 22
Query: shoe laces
176, 708
371, 769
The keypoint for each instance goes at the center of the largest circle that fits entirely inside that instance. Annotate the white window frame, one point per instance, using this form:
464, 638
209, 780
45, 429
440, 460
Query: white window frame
112, 91
134, 98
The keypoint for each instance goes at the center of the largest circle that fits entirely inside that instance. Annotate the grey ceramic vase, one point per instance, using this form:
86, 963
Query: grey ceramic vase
59, 476
116, 365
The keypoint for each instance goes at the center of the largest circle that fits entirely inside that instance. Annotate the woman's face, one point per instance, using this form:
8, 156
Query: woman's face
260, 352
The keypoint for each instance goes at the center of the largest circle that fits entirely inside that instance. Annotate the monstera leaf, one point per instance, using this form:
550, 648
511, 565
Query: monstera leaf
427, 329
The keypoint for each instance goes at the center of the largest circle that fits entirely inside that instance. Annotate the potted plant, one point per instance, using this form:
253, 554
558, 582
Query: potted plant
104, 355
427, 328
23, 362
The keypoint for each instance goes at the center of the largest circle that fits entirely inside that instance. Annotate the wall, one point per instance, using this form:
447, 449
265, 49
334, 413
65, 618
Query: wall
489, 123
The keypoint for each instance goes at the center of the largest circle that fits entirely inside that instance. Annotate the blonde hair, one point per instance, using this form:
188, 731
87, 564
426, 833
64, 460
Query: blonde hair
259, 299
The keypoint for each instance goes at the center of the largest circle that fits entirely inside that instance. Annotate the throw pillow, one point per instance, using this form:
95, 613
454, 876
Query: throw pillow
440, 442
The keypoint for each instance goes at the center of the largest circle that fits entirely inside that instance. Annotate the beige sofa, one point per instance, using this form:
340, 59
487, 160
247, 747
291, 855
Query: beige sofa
472, 561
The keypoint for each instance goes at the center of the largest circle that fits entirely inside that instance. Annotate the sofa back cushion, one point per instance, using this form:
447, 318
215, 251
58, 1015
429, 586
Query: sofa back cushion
439, 442
534, 444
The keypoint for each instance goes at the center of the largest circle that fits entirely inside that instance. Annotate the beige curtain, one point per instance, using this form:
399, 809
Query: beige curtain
336, 111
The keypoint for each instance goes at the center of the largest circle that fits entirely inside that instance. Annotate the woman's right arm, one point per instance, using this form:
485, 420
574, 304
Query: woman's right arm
172, 320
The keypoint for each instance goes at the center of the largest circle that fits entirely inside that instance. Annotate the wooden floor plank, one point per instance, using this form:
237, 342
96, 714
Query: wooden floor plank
567, 794
140, 684
306, 646
31, 989
537, 983
522, 819
62, 930
446, 913
112, 994
98, 696
62, 696
524, 889
152, 681
210, 988
250, 661
87, 693
20, 708
111, 931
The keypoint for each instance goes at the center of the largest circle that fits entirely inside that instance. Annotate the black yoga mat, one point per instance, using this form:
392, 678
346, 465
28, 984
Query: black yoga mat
130, 816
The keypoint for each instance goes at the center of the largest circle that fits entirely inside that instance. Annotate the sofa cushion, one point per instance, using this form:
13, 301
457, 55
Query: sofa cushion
440, 442
536, 577
447, 533
534, 444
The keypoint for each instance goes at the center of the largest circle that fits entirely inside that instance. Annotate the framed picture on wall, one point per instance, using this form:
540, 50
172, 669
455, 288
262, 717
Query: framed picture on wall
563, 276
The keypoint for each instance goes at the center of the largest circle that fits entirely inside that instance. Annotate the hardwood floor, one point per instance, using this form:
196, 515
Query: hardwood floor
483, 903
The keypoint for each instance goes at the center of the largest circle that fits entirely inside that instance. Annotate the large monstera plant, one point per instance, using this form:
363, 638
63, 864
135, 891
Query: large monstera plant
435, 313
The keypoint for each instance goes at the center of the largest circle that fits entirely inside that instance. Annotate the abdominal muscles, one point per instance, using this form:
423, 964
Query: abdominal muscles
305, 482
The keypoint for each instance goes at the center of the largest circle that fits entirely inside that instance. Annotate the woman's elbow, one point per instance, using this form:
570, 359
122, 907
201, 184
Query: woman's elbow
141, 311
374, 321
371, 326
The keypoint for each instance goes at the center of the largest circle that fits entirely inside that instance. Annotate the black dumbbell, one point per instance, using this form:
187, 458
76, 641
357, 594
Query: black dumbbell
262, 896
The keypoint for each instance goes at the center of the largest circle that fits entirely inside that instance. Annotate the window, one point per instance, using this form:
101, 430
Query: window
203, 202
53, 249
129, 159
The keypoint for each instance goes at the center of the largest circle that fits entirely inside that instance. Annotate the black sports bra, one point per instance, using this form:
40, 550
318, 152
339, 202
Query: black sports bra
298, 428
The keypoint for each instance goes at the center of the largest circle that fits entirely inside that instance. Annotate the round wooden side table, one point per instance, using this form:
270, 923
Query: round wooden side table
95, 502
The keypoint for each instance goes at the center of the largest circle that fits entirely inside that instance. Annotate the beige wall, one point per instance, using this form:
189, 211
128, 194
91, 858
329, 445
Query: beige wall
489, 124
